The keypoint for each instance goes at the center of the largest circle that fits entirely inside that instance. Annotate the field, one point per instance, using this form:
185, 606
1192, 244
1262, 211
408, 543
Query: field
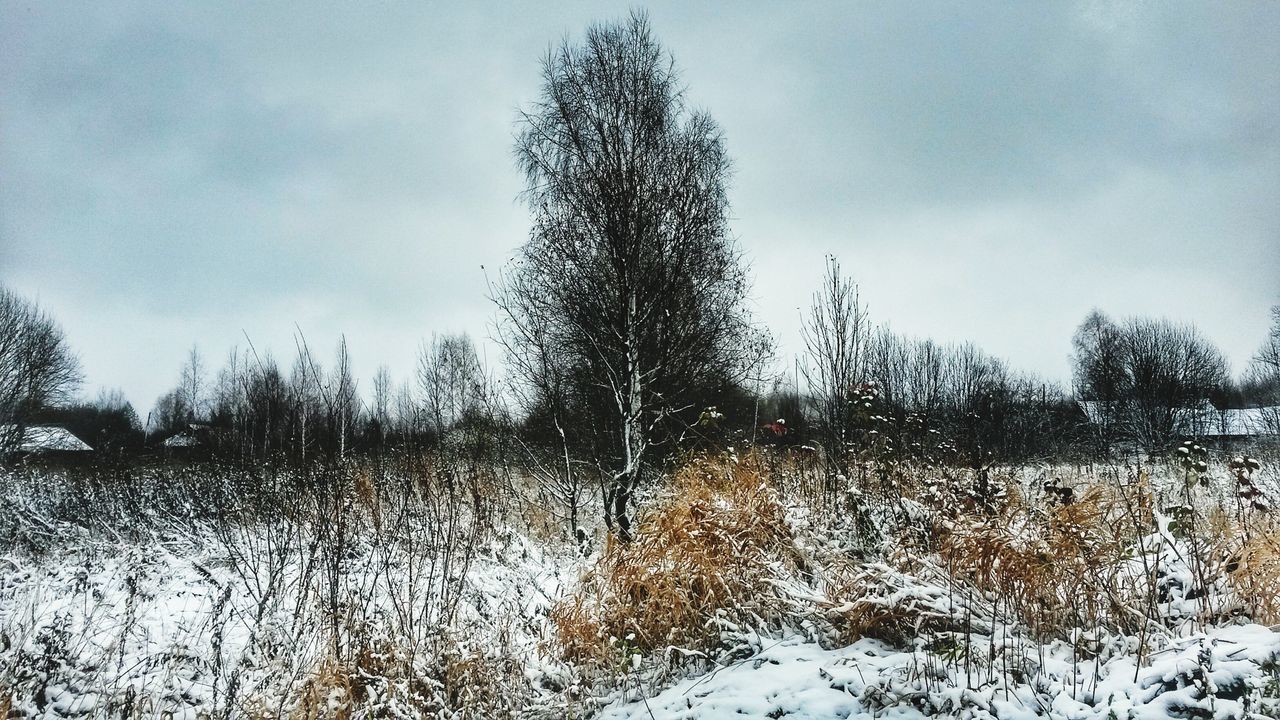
401, 587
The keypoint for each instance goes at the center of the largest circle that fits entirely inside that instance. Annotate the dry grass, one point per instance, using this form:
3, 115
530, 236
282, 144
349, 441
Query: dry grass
1057, 565
1090, 559
877, 600
711, 546
382, 681
1249, 550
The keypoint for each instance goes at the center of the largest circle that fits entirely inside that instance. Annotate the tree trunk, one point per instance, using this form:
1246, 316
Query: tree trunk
633, 441
621, 520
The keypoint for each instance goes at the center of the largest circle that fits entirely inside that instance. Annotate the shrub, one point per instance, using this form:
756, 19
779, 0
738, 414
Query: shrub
877, 600
1058, 567
710, 548
1253, 566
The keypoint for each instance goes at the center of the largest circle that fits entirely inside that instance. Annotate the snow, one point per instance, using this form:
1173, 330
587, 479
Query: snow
173, 617
170, 621
180, 440
797, 679
50, 438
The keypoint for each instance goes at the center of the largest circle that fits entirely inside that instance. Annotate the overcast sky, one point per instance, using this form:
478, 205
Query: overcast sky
179, 173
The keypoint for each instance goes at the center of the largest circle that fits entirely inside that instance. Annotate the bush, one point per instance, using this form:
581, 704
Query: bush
705, 556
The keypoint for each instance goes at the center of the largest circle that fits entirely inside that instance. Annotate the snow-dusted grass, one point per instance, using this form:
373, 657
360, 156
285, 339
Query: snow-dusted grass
1213, 676
371, 595
996, 596
755, 590
714, 544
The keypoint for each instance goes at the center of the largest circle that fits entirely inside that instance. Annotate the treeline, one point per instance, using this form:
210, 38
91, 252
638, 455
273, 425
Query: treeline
629, 340
37, 368
1143, 382
253, 408
1149, 382
868, 387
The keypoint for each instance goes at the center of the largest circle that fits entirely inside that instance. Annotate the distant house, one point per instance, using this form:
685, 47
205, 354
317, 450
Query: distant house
194, 435
1095, 411
1200, 420
47, 440
1241, 423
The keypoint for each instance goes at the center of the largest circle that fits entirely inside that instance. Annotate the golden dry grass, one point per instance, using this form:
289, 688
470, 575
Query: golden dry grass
1058, 566
712, 544
716, 542
1248, 552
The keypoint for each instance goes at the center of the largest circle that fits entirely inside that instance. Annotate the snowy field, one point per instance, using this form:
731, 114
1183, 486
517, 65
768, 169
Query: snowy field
166, 599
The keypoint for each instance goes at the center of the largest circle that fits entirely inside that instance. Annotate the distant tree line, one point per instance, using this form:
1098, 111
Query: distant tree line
867, 385
629, 342
252, 410
1260, 386
1148, 381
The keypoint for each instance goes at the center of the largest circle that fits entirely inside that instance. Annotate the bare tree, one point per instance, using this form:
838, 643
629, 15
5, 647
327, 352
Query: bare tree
1262, 379
553, 434
451, 380
169, 414
1147, 381
459, 410
37, 368
343, 400
306, 401
836, 335
1268, 357
325, 408
406, 412
380, 413
957, 398
911, 373
191, 386
1099, 375
185, 404
629, 279
1170, 372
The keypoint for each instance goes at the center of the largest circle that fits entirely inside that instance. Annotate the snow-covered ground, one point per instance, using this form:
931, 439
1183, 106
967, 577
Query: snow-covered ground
1212, 675
180, 616
170, 627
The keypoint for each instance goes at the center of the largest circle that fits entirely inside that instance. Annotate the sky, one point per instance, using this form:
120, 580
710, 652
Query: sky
215, 174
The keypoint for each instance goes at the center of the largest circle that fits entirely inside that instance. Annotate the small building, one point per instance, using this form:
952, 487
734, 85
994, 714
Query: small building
1242, 423
1197, 421
191, 439
47, 440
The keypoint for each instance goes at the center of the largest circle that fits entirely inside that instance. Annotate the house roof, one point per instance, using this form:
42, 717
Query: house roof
1203, 420
183, 439
1240, 421
50, 438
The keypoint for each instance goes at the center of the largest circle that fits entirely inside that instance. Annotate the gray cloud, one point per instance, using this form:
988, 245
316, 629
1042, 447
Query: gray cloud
176, 174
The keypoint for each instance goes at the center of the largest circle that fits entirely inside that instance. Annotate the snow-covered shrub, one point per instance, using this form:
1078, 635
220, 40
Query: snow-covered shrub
876, 600
1058, 562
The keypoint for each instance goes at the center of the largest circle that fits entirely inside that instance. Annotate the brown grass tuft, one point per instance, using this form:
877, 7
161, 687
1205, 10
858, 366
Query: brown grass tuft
712, 544
1251, 554
1055, 566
